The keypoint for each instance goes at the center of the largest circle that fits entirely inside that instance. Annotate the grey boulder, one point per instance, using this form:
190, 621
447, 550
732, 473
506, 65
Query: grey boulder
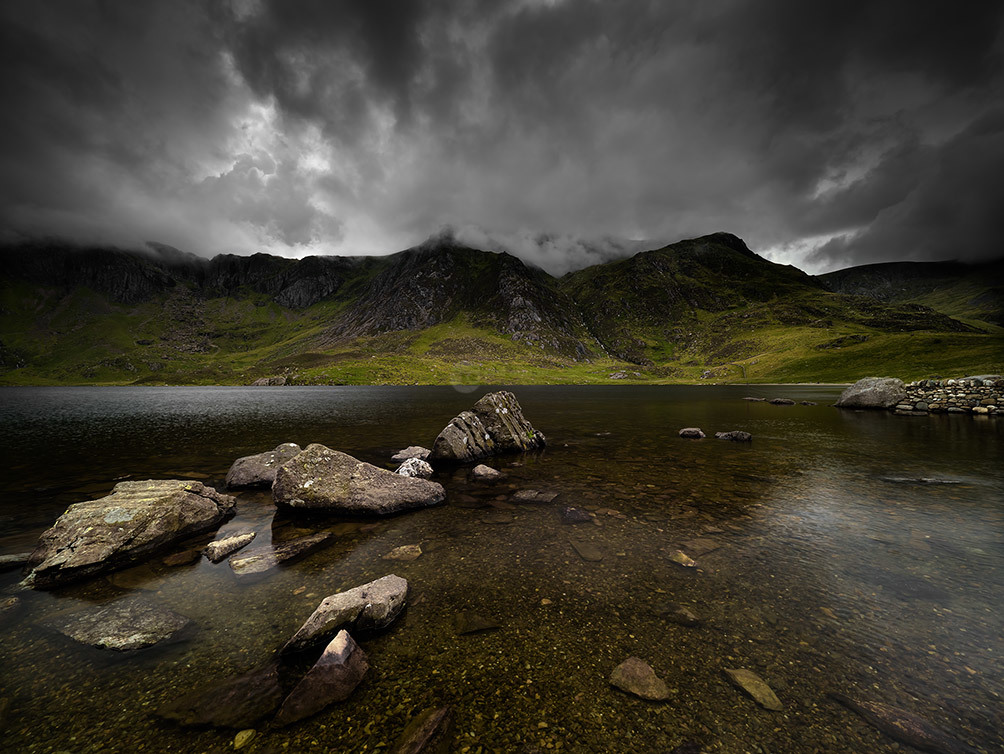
494, 425
692, 433
135, 521
415, 467
371, 606
130, 625
332, 679
322, 479
735, 435
873, 392
259, 470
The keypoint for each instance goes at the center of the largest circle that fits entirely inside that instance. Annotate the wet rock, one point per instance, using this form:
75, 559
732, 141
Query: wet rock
259, 470
244, 737
221, 548
919, 480
404, 552
426, 733
808, 403
494, 425
415, 467
135, 521
238, 702
586, 550
470, 622
905, 727
781, 402
367, 607
482, 473
533, 496
681, 558
873, 392
14, 560
678, 614
323, 479
121, 626
700, 546
332, 679
182, 558
751, 398
263, 560
412, 451
755, 686
692, 433
570, 515
636, 676
735, 435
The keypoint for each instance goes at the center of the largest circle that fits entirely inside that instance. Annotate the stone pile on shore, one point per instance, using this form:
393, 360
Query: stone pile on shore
981, 395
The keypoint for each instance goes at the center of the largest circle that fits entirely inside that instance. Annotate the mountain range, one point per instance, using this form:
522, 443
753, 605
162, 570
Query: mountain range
707, 308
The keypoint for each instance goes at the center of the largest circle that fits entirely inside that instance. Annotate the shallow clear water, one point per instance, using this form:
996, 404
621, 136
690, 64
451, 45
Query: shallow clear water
826, 577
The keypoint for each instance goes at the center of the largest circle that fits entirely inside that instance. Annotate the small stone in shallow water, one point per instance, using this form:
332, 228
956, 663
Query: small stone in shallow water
570, 515
483, 473
533, 496
470, 622
586, 550
692, 433
244, 737
782, 401
681, 558
427, 732
678, 614
636, 676
221, 548
415, 467
412, 451
404, 552
755, 686
735, 435
266, 559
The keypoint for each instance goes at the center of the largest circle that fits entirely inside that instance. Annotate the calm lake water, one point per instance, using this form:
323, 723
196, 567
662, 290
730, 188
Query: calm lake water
825, 576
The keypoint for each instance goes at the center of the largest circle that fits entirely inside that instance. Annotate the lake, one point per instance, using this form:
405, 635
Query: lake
824, 565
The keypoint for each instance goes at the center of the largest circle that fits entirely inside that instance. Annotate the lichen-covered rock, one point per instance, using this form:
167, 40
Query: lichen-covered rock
259, 470
122, 625
415, 467
136, 520
322, 479
332, 679
370, 606
873, 392
494, 425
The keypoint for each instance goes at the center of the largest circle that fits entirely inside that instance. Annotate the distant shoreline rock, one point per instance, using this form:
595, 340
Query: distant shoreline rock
979, 395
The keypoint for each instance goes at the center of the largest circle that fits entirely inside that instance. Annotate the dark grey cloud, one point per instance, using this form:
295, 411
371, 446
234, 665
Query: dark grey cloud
825, 134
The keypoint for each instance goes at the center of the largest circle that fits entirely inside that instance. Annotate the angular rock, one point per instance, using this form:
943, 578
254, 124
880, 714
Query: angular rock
755, 686
873, 392
263, 560
681, 558
14, 560
404, 552
415, 467
412, 451
238, 702
371, 606
482, 473
692, 433
781, 402
586, 550
323, 479
735, 435
494, 425
426, 733
136, 520
259, 470
636, 676
533, 496
244, 737
221, 548
571, 515
332, 679
121, 626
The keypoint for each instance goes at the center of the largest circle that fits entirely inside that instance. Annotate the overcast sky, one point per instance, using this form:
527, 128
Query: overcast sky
825, 134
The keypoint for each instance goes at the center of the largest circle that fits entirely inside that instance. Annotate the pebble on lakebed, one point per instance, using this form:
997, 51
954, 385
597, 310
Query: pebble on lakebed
636, 676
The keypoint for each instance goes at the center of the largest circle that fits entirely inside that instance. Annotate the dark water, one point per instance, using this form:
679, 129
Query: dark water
825, 578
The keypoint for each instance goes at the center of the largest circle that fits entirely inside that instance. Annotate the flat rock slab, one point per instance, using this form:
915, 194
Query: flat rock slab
494, 425
260, 561
135, 521
471, 622
426, 733
332, 679
692, 433
238, 702
756, 687
636, 676
586, 550
533, 496
367, 607
412, 451
221, 548
121, 626
259, 470
404, 552
320, 478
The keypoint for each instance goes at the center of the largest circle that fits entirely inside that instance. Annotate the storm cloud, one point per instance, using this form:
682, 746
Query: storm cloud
570, 132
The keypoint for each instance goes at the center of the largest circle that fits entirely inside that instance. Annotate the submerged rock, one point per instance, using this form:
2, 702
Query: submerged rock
221, 548
135, 521
426, 733
681, 558
905, 727
678, 614
332, 679
370, 606
323, 479
756, 687
873, 392
14, 560
533, 496
471, 622
244, 737
692, 433
570, 515
404, 552
415, 467
494, 425
781, 402
636, 676
586, 550
482, 473
735, 435
121, 626
412, 451
259, 470
263, 560
756, 400
238, 702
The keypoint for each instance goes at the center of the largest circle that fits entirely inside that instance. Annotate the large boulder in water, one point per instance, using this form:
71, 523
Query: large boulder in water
136, 520
322, 479
259, 470
495, 425
873, 392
